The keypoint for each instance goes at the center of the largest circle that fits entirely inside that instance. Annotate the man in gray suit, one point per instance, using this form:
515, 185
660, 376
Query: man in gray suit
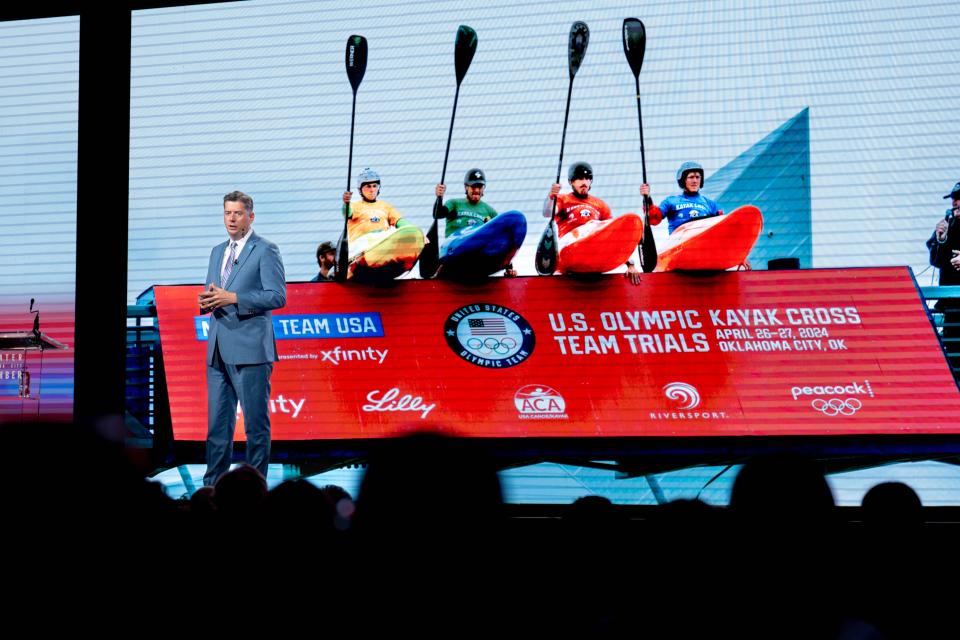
245, 280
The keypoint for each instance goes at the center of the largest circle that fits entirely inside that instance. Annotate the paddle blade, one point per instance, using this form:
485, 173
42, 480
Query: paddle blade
579, 37
464, 48
634, 43
356, 56
430, 256
546, 259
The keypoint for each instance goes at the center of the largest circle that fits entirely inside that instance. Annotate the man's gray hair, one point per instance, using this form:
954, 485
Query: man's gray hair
239, 196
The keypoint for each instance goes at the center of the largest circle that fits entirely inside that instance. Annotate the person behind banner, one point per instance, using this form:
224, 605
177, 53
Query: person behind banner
327, 261
461, 213
245, 282
944, 248
579, 207
369, 217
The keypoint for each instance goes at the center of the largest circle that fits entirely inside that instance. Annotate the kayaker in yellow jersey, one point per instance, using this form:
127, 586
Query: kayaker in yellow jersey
369, 214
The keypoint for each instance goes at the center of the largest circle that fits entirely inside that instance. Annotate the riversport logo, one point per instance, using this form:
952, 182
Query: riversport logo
685, 395
489, 335
685, 398
538, 401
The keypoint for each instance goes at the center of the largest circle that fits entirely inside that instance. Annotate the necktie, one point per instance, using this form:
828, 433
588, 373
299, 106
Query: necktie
227, 268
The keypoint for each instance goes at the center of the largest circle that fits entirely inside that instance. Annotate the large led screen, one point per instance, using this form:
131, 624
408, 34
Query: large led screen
39, 71
835, 120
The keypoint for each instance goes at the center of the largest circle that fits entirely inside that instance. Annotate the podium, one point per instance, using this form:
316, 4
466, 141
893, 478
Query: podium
28, 341
24, 341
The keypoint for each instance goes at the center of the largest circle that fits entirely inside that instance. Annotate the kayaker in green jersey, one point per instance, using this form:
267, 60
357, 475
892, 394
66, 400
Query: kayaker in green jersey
471, 210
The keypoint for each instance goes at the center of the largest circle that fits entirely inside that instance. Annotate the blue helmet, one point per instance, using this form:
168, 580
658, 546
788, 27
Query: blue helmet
686, 168
367, 175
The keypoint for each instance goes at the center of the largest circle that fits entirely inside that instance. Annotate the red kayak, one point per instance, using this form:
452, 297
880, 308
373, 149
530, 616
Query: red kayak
597, 247
712, 244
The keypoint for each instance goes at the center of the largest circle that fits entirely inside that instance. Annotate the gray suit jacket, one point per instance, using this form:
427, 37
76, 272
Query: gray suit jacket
244, 331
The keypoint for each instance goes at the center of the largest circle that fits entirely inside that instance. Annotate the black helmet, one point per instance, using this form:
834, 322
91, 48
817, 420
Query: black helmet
475, 176
580, 170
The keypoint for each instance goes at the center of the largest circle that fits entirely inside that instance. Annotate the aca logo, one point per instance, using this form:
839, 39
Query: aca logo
685, 395
538, 401
489, 335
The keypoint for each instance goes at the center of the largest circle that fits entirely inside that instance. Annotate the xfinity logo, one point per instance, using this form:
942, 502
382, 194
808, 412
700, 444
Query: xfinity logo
852, 389
280, 404
337, 355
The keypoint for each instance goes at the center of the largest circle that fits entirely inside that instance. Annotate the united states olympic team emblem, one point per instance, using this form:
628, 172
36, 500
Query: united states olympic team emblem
489, 335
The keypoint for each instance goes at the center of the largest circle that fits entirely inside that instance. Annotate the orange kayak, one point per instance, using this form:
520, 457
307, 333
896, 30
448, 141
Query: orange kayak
597, 247
712, 244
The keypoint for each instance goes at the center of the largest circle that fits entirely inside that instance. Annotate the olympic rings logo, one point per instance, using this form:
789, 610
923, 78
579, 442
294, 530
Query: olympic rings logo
489, 335
491, 346
836, 406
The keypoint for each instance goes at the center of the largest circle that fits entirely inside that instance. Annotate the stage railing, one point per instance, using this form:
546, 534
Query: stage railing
144, 381
938, 299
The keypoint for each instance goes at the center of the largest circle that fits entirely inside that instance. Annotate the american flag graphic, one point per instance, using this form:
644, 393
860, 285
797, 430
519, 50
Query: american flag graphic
487, 326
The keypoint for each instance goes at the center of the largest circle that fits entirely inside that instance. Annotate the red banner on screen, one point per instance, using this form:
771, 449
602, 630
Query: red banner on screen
813, 352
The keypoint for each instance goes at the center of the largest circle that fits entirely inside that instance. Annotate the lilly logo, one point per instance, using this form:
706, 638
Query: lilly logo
686, 395
539, 402
393, 401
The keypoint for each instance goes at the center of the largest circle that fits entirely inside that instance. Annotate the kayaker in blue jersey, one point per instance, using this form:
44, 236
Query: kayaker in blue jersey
689, 204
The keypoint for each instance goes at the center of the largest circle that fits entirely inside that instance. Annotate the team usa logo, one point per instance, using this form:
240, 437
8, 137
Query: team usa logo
538, 401
489, 335
685, 395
